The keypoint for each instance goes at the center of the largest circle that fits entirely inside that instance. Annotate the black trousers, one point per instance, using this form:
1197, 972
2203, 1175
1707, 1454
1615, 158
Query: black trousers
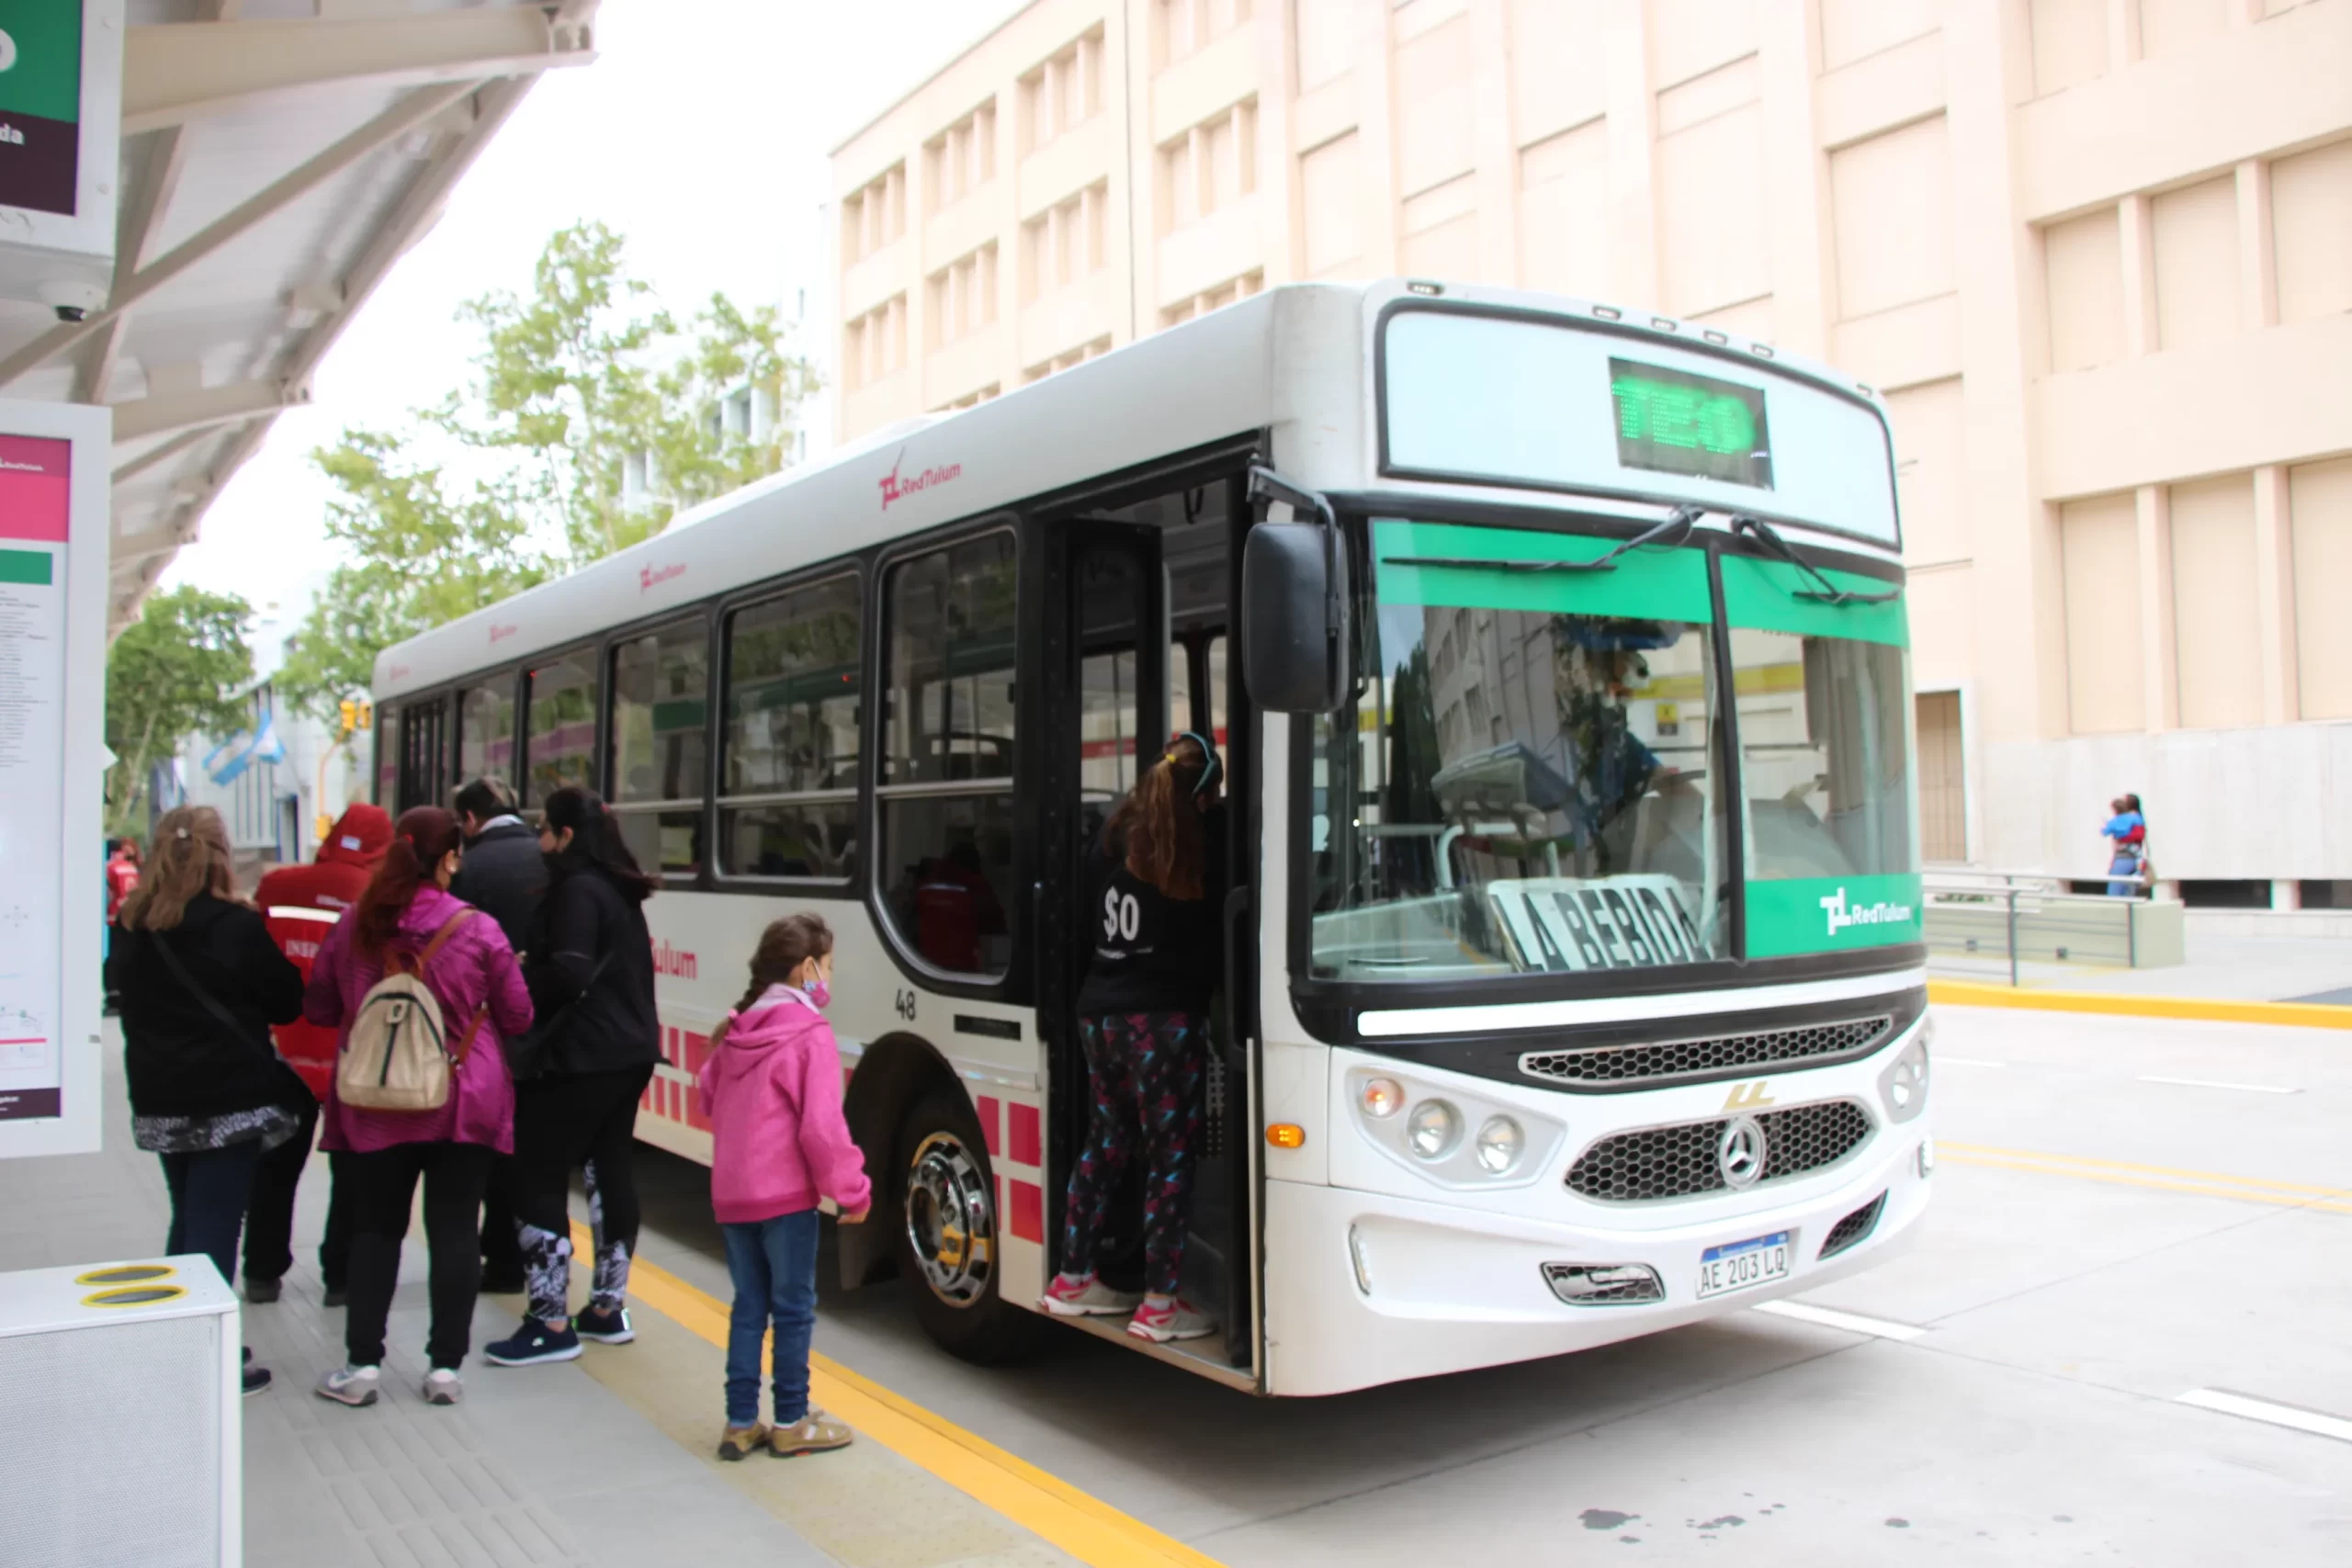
561, 1123
380, 1189
269, 1219
208, 1189
502, 1251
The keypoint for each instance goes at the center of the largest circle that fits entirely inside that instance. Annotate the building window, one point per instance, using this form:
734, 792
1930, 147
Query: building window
963, 298
1079, 355
874, 215
1182, 28
661, 713
945, 807
1216, 298
1062, 93
972, 400
788, 784
1066, 243
1210, 166
961, 159
875, 344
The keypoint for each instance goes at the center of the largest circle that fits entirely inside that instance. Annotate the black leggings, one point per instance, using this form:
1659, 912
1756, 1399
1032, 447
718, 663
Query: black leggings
379, 1190
561, 1124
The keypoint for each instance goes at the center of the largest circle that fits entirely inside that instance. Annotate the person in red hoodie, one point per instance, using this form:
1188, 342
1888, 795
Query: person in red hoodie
301, 905
771, 1088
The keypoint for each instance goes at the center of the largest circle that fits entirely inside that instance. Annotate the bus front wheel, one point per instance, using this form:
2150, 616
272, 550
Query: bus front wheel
948, 1232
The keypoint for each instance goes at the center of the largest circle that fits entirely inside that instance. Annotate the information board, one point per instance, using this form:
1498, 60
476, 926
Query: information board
54, 487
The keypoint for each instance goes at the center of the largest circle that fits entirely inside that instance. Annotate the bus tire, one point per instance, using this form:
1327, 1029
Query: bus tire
944, 1213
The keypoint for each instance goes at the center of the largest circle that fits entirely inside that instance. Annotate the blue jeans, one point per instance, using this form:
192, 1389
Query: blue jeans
210, 1189
774, 1265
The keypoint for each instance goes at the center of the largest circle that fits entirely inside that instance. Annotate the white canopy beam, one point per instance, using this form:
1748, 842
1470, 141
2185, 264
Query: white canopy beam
174, 411
396, 121
174, 72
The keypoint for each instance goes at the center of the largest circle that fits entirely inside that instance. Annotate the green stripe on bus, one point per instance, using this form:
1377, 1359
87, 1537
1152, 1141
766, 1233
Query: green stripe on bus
1657, 584
27, 565
1831, 914
1763, 594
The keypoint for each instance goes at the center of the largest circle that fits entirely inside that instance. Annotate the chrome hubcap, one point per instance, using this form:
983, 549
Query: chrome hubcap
951, 1224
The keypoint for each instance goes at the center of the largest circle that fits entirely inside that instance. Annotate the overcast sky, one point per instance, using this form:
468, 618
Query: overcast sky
700, 133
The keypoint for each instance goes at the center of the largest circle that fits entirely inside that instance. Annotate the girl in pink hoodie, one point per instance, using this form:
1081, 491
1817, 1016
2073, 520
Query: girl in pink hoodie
771, 1088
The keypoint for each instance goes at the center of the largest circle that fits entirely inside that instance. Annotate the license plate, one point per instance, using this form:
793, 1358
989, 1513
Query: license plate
1738, 1265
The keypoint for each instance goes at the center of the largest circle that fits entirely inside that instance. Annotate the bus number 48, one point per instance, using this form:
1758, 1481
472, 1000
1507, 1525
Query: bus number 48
903, 1003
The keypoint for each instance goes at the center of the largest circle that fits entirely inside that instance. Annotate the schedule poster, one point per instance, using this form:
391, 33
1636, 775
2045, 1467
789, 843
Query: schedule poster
36, 523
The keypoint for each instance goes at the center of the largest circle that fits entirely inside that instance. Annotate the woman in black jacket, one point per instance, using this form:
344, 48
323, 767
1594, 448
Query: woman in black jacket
591, 973
201, 981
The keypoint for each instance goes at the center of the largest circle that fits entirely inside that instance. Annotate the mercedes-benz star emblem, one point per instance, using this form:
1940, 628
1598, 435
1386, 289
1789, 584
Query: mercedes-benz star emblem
1739, 1153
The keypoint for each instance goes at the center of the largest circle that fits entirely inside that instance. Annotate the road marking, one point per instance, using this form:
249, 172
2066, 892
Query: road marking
2276, 1414
2308, 1015
1087, 1527
1853, 1322
2209, 1083
2156, 1178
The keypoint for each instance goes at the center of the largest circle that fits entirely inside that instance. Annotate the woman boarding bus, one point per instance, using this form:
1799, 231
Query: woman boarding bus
1570, 938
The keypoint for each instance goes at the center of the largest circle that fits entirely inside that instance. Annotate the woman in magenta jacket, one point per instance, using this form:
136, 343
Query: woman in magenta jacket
771, 1088
475, 978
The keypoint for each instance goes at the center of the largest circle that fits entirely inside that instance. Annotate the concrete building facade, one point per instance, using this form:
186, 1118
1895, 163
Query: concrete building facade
2098, 254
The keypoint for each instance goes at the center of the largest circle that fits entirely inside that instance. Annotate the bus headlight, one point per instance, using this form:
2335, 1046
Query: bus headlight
1902, 1087
1434, 1129
1500, 1143
1381, 1097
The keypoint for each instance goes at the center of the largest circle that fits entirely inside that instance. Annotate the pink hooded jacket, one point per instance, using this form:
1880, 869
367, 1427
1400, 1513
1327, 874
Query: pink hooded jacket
474, 974
772, 1091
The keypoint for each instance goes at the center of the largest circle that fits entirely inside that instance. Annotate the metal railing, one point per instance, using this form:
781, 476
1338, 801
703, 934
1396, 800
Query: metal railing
2032, 909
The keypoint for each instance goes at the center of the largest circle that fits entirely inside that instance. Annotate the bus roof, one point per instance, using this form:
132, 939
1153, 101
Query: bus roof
1204, 381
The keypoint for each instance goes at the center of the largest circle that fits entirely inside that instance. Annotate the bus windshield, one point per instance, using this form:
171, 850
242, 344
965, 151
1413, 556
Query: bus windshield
1532, 777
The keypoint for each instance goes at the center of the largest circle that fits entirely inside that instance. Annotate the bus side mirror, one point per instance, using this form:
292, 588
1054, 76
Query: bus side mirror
1294, 616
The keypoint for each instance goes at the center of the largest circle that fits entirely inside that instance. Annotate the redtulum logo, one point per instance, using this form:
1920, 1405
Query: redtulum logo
673, 961
501, 633
896, 488
1842, 914
646, 576
397, 672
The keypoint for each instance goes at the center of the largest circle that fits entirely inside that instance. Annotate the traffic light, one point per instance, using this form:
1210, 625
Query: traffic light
350, 715
366, 713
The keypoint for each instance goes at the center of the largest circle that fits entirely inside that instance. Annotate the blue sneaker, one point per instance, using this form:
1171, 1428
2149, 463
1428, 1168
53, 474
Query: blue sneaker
533, 1343
604, 1327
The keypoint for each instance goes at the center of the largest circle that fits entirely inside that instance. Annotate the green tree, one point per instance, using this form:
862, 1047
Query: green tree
177, 672
520, 474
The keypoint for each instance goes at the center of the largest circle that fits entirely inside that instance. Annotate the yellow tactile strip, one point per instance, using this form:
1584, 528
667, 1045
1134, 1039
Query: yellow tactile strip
855, 1504
2304, 1015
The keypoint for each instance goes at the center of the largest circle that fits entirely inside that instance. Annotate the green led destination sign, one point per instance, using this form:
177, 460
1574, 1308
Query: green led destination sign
1670, 422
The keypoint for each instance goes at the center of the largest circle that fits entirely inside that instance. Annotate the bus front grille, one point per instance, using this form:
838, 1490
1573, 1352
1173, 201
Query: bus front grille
1679, 1161
1645, 1064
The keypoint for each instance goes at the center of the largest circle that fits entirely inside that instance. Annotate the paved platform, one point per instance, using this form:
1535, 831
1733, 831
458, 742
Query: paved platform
603, 1461
2218, 967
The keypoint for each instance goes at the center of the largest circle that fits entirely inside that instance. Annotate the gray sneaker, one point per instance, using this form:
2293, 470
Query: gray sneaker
351, 1385
1088, 1298
443, 1386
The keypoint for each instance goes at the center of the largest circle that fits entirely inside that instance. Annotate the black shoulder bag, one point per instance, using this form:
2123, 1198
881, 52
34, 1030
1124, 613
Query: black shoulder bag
527, 1053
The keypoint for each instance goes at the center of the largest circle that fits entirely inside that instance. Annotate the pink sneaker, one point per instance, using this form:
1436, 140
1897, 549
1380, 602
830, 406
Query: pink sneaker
1089, 1297
1177, 1320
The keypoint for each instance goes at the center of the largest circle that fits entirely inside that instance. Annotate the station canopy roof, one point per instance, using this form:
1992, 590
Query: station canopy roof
278, 157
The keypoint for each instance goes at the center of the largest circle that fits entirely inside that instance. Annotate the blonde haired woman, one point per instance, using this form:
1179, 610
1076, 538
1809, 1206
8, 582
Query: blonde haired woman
201, 981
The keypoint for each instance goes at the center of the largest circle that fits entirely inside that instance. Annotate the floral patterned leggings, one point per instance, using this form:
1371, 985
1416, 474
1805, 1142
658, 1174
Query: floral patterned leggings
1146, 1071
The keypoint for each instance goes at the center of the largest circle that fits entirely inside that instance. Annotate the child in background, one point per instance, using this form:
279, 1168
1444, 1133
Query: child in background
771, 1088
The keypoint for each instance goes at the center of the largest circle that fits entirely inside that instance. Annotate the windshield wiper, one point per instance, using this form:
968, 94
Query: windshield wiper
1825, 592
1675, 530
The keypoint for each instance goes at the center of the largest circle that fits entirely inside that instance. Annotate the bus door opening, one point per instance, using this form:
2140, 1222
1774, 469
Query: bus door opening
1150, 584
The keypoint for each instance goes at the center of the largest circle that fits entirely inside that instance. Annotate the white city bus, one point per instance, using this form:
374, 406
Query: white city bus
1573, 984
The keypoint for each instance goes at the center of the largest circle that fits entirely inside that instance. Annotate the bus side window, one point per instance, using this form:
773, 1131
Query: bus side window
946, 858
787, 769
660, 700
560, 724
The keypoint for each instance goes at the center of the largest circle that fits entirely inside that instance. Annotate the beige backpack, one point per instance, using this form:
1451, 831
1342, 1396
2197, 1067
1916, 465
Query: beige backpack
397, 1056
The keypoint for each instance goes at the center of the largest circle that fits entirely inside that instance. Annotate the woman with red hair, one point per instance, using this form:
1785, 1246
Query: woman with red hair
407, 912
